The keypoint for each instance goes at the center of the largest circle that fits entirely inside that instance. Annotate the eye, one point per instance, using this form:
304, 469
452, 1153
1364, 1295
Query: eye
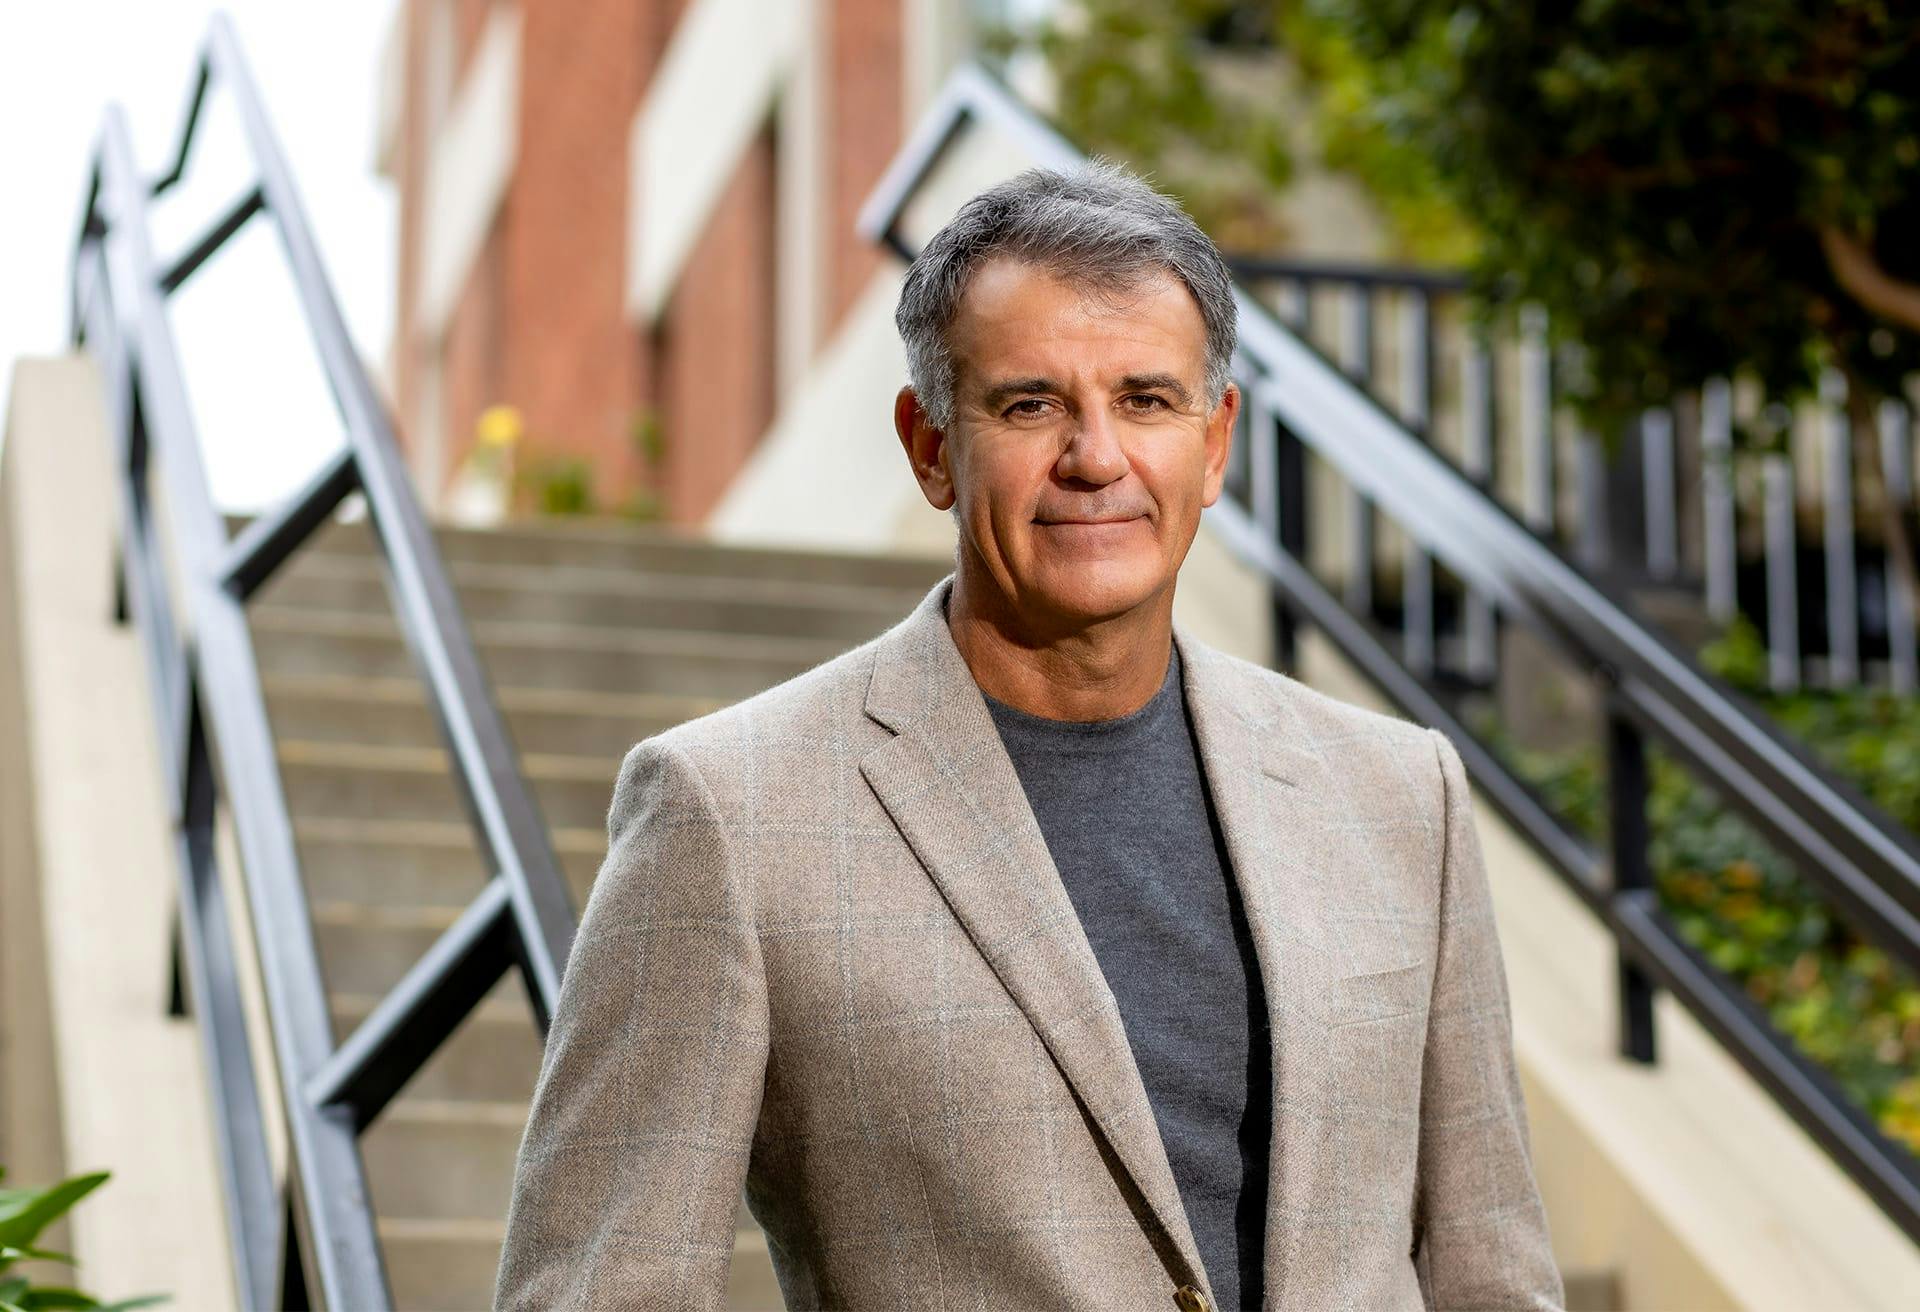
1152, 402
1031, 407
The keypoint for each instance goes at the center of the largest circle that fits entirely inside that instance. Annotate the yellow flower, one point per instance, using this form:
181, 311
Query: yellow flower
499, 426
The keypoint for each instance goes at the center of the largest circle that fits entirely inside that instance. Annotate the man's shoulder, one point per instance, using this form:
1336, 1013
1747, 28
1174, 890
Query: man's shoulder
1265, 695
815, 712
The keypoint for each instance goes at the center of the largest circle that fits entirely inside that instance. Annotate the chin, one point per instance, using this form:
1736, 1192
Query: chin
1099, 589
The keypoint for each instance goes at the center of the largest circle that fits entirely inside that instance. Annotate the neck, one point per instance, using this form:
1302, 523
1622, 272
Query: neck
1099, 670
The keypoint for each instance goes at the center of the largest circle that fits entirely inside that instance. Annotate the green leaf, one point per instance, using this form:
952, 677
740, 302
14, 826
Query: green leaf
9, 1253
25, 1213
47, 1298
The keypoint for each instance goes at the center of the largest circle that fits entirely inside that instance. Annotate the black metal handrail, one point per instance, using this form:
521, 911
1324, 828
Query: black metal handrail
1685, 445
1862, 859
1345, 273
316, 1238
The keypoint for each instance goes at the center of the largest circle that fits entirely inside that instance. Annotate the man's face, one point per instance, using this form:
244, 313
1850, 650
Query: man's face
1081, 450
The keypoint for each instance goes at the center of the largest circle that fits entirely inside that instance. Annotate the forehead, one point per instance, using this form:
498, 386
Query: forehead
1019, 317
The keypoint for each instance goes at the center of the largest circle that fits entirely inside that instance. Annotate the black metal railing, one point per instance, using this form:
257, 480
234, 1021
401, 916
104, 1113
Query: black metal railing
312, 1238
1670, 505
1298, 403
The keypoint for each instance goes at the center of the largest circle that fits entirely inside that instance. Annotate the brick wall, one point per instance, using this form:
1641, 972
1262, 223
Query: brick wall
567, 362
542, 322
865, 57
715, 343
473, 356
469, 21
409, 167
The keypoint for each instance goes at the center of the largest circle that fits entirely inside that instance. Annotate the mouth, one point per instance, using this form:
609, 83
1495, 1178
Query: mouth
1087, 523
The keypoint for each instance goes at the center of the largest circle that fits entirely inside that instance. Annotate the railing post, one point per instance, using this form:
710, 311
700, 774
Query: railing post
1896, 459
1357, 360
1418, 623
1290, 461
1836, 523
1536, 421
1632, 874
1783, 583
1661, 516
1720, 543
294, 1296
1593, 543
120, 612
1478, 417
176, 969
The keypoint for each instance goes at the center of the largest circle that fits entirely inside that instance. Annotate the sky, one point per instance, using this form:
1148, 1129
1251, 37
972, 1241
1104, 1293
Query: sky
265, 417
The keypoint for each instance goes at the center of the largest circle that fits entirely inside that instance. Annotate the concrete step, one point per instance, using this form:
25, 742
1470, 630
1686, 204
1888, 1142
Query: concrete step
380, 863
611, 543
601, 597
449, 1266
364, 951
445, 1170
415, 783
493, 1057
1593, 1289
443, 1160
292, 641
393, 713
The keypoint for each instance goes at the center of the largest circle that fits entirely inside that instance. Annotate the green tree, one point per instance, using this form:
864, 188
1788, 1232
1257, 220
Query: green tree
1175, 89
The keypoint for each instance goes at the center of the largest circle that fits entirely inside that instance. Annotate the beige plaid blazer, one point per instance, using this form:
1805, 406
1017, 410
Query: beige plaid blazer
828, 959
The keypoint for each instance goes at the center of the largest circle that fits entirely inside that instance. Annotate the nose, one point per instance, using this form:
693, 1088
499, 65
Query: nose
1093, 453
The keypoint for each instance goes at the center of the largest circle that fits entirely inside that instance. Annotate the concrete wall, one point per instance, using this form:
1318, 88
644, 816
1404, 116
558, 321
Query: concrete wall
85, 970
32, 1138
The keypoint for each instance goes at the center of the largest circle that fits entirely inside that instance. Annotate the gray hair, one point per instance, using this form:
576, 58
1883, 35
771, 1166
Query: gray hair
1099, 224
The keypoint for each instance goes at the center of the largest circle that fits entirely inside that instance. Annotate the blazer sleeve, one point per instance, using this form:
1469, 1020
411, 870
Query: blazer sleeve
630, 1171
1480, 1228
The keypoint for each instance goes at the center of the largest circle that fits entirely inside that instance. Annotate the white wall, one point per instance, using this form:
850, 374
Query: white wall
469, 164
710, 95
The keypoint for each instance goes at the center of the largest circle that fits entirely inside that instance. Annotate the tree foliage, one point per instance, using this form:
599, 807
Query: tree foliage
1688, 186
1165, 88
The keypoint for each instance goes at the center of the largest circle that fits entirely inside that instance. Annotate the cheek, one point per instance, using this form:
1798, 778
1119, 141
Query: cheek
1002, 490
1175, 480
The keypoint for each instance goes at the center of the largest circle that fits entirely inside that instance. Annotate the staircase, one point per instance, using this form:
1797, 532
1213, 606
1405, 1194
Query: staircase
594, 635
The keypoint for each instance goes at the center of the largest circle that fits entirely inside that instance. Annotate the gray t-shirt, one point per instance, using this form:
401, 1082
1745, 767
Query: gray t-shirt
1123, 805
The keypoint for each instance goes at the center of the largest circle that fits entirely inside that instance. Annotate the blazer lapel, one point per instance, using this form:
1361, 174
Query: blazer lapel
1273, 793
947, 781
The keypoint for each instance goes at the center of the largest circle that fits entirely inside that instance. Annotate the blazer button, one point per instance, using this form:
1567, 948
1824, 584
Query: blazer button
1191, 1299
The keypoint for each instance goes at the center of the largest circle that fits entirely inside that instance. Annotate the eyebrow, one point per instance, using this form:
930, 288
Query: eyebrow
1156, 383
1006, 390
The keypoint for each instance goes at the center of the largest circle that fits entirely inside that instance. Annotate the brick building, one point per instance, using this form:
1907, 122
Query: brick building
628, 215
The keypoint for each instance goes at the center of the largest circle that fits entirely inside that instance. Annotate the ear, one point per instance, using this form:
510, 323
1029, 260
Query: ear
1219, 443
926, 448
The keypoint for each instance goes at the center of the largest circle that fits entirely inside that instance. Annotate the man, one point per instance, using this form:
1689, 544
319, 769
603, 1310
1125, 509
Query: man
1035, 954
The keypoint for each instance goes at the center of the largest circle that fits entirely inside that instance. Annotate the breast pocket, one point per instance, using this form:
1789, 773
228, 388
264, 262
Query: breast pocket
1379, 991
1376, 1030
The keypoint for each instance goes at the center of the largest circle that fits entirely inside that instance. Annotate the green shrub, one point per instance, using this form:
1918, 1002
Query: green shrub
557, 485
1845, 1003
24, 1213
